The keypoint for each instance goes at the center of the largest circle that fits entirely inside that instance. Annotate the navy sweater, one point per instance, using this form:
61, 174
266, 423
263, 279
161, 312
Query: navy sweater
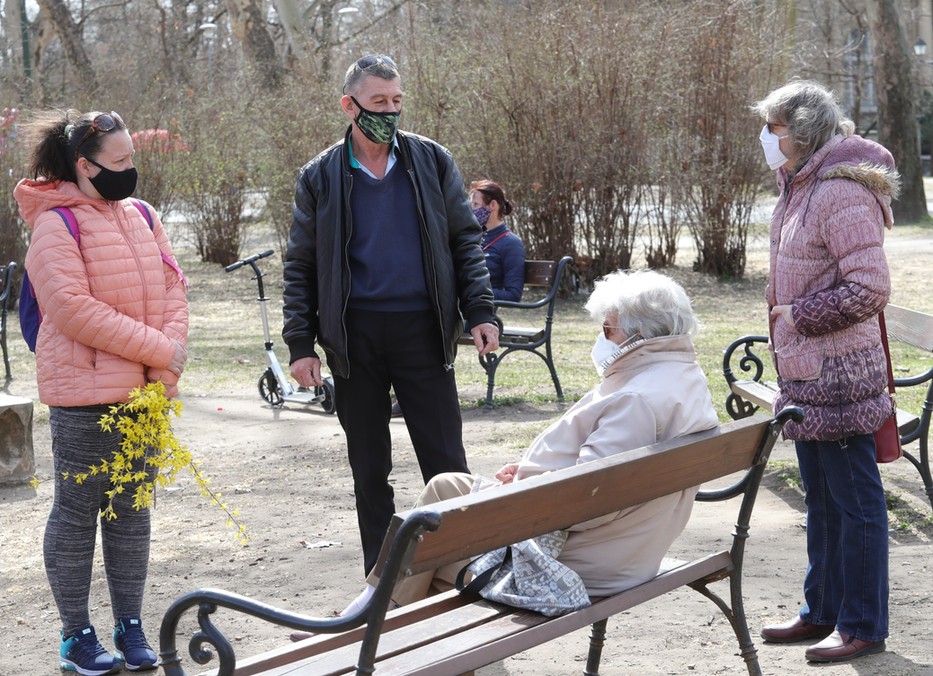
386, 270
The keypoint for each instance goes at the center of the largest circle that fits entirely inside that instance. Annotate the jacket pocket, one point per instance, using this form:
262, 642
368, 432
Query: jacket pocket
797, 357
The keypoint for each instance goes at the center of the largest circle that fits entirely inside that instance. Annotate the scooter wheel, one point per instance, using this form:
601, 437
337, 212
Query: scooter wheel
329, 403
269, 389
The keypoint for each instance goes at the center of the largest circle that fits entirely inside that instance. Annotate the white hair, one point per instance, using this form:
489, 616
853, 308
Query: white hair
643, 302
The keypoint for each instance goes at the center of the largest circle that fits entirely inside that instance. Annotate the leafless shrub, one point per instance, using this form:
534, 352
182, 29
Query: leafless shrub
13, 232
725, 169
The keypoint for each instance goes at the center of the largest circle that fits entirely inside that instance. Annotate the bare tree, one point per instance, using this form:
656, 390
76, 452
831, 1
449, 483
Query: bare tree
249, 27
897, 122
289, 12
68, 33
16, 28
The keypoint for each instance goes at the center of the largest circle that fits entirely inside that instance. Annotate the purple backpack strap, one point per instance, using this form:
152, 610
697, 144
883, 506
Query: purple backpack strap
143, 208
70, 222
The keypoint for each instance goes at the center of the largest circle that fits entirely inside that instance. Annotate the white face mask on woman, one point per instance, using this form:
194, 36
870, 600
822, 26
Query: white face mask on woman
605, 353
771, 144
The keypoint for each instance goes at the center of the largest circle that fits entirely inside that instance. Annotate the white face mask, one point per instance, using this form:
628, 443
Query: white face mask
605, 353
771, 144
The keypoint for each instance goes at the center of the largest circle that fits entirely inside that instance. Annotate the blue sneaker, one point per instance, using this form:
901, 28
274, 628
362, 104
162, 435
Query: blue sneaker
83, 653
132, 646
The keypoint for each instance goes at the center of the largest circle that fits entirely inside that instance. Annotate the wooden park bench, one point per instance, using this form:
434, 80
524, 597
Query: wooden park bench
909, 327
538, 275
455, 633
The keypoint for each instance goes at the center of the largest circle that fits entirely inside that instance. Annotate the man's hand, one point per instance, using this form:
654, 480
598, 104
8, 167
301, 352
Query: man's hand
507, 474
485, 337
307, 371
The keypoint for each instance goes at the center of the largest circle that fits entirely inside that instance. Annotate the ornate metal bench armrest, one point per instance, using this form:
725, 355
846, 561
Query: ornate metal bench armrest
748, 362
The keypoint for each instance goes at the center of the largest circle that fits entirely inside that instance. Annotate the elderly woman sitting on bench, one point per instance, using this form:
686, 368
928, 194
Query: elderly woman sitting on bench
651, 390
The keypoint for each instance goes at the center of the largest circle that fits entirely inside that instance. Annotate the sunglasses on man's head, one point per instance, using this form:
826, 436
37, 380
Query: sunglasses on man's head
371, 60
102, 123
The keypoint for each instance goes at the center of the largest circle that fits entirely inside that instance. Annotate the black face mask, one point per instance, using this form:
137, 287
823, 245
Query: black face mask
114, 185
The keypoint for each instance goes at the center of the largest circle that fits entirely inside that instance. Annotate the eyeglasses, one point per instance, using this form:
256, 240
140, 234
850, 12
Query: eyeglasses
769, 125
102, 123
607, 329
371, 60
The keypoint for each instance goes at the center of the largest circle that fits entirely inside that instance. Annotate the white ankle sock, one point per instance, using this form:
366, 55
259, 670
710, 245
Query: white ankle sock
360, 601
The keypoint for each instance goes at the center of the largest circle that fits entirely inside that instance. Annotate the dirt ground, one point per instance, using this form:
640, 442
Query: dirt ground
285, 470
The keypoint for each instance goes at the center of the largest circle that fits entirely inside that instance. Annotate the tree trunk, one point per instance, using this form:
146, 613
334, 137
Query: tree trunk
67, 32
16, 28
898, 129
290, 15
249, 28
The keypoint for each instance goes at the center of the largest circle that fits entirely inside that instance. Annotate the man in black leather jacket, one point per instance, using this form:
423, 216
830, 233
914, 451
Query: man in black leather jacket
383, 261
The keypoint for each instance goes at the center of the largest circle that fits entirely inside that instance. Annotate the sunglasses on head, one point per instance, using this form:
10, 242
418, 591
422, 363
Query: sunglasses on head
102, 123
371, 60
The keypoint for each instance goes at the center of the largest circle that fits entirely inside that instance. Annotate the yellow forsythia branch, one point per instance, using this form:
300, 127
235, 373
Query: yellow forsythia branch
145, 423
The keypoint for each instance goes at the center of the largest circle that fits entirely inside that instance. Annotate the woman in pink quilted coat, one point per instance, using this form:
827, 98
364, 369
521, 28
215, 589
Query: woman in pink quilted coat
828, 282
114, 317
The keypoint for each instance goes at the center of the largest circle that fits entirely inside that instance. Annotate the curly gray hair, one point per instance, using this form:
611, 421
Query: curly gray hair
811, 112
643, 302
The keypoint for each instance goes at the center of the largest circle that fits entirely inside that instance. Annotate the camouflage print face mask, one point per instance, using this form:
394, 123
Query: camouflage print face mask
377, 127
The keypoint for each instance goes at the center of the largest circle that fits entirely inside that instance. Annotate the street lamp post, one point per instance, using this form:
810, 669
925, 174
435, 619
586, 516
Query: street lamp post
209, 29
346, 14
920, 49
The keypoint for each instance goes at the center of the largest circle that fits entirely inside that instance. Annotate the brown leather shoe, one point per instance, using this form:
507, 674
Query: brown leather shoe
795, 630
839, 647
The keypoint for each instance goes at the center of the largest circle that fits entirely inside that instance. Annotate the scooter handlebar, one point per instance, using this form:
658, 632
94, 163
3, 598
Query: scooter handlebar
247, 261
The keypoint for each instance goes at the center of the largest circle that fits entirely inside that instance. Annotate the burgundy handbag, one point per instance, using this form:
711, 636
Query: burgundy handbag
887, 438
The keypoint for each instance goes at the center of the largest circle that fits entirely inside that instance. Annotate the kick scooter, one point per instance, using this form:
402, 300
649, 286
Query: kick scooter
274, 387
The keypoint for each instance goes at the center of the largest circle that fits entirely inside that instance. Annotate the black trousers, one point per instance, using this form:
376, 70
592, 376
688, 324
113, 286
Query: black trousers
400, 350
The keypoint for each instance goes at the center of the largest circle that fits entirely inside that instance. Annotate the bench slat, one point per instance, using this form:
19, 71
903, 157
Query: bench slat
522, 630
478, 523
909, 326
286, 654
398, 643
762, 395
540, 273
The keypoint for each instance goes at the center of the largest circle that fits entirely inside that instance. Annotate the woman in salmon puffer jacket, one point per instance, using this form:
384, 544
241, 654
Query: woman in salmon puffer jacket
114, 318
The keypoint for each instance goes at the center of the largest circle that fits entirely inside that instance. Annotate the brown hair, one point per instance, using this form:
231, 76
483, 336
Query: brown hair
490, 190
53, 137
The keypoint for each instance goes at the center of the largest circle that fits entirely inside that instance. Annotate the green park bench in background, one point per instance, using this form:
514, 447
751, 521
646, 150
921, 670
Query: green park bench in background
535, 339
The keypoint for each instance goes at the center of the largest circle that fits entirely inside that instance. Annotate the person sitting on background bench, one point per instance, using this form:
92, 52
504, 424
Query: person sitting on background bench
651, 390
505, 253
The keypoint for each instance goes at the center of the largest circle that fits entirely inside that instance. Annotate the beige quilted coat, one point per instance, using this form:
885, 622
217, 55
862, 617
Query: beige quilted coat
111, 312
653, 393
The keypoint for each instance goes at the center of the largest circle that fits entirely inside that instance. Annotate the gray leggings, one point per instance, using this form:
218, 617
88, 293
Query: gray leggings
77, 443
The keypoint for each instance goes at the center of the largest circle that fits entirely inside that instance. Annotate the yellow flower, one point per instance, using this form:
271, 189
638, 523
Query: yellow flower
145, 423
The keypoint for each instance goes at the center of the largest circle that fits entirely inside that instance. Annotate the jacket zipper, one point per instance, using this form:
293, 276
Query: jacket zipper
430, 254
346, 263
788, 194
129, 244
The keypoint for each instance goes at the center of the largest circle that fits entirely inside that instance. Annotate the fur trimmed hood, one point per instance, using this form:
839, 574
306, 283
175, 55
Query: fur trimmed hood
856, 159
863, 161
